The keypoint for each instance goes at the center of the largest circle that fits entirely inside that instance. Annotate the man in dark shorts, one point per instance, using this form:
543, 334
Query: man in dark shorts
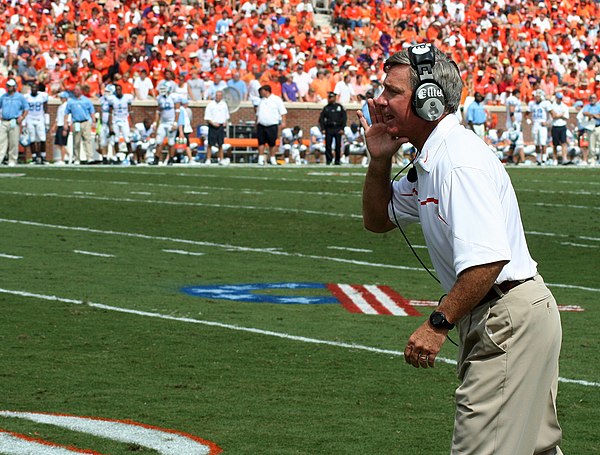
216, 116
560, 115
270, 113
61, 134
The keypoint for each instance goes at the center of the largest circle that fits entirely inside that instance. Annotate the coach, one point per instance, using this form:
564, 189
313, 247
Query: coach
216, 116
82, 113
14, 108
270, 113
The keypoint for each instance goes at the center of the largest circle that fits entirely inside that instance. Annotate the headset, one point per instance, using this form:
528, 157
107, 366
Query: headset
429, 100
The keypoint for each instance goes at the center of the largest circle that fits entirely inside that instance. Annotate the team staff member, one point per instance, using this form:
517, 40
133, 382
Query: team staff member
14, 108
477, 115
216, 116
270, 113
332, 121
559, 112
508, 322
81, 110
61, 134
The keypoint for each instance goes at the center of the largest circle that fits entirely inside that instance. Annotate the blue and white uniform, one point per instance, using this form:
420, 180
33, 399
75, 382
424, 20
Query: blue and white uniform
120, 116
36, 118
539, 117
167, 122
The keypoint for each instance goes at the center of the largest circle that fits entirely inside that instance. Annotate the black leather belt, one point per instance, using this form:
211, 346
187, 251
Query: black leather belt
504, 287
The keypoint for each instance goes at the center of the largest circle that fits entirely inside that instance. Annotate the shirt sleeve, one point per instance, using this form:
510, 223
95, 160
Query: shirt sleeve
471, 207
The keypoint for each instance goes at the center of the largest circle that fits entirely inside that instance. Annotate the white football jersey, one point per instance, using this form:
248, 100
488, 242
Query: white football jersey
36, 105
166, 106
539, 111
120, 106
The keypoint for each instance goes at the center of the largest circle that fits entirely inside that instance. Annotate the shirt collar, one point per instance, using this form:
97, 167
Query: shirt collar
428, 156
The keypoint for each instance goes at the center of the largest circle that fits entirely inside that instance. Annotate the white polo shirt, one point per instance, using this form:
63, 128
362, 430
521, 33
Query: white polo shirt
270, 110
217, 112
466, 205
561, 112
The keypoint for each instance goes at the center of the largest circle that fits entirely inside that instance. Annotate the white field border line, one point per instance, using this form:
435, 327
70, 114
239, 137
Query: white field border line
92, 253
313, 172
194, 188
10, 256
252, 190
142, 193
201, 175
189, 253
354, 250
272, 251
238, 328
545, 234
223, 206
185, 204
239, 177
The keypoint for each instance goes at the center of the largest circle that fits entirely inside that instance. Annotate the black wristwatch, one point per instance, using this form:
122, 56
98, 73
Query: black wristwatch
438, 320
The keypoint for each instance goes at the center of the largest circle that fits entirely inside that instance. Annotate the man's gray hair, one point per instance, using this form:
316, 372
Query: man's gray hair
445, 73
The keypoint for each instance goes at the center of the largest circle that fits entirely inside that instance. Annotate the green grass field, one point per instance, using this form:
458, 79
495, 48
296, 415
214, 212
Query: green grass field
94, 322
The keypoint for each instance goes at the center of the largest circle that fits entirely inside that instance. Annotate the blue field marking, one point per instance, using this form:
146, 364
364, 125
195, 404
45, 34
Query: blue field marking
248, 293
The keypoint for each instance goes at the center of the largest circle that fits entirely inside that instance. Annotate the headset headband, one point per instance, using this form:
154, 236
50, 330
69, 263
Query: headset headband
422, 59
429, 101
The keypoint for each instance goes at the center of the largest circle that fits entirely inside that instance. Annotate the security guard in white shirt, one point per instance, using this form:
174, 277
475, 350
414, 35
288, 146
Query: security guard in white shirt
508, 322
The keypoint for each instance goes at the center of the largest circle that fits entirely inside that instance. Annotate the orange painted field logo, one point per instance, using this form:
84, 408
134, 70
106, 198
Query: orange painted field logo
163, 441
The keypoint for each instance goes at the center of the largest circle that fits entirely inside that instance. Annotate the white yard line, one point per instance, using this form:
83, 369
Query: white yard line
10, 256
92, 253
228, 247
254, 330
562, 206
189, 253
579, 245
355, 250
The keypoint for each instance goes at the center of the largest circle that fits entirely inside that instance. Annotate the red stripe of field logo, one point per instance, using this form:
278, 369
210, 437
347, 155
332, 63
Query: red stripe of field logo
372, 299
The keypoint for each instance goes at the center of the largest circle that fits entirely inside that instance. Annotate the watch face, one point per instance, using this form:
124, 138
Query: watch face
437, 319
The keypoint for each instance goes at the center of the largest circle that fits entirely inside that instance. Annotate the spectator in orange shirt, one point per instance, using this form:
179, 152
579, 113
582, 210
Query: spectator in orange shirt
71, 78
124, 82
102, 62
92, 78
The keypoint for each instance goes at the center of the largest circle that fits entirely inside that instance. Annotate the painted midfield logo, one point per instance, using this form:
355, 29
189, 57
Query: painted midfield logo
367, 299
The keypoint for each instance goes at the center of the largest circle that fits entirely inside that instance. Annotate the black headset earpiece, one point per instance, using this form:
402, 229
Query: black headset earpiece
429, 101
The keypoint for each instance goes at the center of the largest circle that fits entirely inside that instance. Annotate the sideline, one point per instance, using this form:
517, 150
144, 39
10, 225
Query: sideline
272, 251
238, 328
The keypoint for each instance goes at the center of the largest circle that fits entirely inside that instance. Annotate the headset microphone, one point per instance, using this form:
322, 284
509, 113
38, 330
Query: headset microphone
411, 175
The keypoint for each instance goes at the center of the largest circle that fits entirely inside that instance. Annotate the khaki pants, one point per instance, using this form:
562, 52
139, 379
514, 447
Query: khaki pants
594, 143
9, 141
508, 367
84, 134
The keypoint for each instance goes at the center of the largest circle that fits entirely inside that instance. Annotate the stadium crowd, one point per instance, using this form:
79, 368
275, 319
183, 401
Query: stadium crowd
498, 44
504, 48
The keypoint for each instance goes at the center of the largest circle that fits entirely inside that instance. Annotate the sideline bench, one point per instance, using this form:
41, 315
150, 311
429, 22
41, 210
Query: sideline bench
245, 146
